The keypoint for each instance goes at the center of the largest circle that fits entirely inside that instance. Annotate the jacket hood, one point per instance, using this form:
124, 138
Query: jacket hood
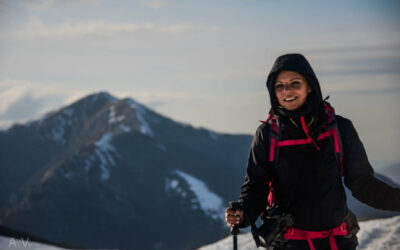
298, 63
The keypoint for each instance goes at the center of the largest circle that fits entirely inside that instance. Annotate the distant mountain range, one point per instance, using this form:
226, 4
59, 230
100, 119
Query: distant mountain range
111, 173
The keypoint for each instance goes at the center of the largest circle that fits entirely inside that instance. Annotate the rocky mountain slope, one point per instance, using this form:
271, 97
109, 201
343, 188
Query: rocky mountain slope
110, 173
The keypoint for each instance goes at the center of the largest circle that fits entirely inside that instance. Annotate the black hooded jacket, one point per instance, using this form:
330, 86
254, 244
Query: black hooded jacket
308, 180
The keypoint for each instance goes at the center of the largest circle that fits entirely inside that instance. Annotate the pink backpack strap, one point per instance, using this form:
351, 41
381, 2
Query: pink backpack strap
299, 234
337, 139
272, 120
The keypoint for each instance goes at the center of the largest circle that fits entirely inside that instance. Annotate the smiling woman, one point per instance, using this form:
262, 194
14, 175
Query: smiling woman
291, 89
297, 159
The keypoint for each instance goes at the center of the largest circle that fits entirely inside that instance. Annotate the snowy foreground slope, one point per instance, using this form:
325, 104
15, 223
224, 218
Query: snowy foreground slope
374, 234
382, 234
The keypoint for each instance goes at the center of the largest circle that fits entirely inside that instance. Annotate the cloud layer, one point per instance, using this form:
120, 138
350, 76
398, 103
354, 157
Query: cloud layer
36, 28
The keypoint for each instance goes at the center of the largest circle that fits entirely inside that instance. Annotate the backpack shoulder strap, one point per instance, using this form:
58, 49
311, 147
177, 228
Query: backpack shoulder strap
274, 138
274, 135
337, 139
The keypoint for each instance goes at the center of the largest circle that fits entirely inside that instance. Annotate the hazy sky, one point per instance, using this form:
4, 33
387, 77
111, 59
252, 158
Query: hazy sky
203, 62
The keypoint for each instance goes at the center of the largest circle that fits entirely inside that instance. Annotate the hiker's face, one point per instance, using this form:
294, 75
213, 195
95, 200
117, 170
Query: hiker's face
291, 89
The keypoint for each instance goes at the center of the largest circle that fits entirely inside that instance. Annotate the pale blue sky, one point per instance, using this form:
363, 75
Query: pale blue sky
203, 62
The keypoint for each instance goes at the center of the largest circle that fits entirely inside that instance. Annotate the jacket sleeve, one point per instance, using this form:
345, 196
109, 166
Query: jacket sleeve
254, 191
359, 175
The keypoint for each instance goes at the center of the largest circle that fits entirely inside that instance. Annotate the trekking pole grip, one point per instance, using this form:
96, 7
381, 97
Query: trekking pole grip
235, 206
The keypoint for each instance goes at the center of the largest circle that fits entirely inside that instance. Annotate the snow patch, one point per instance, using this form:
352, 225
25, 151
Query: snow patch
88, 163
105, 171
104, 152
104, 143
112, 118
140, 114
173, 185
380, 234
125, 128
209, 202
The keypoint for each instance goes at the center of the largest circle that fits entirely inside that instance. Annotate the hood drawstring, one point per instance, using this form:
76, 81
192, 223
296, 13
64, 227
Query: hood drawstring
308, 125
306, 130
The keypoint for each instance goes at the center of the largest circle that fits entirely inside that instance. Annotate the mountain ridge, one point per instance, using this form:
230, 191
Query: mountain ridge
110, 158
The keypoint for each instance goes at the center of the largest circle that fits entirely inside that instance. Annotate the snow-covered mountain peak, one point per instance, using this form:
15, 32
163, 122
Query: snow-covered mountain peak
141, 112
115, 157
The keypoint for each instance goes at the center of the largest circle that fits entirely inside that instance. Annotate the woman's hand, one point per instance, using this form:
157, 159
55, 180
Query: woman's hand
233, 218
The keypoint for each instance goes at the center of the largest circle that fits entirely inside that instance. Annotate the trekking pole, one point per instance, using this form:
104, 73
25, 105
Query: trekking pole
235, 229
